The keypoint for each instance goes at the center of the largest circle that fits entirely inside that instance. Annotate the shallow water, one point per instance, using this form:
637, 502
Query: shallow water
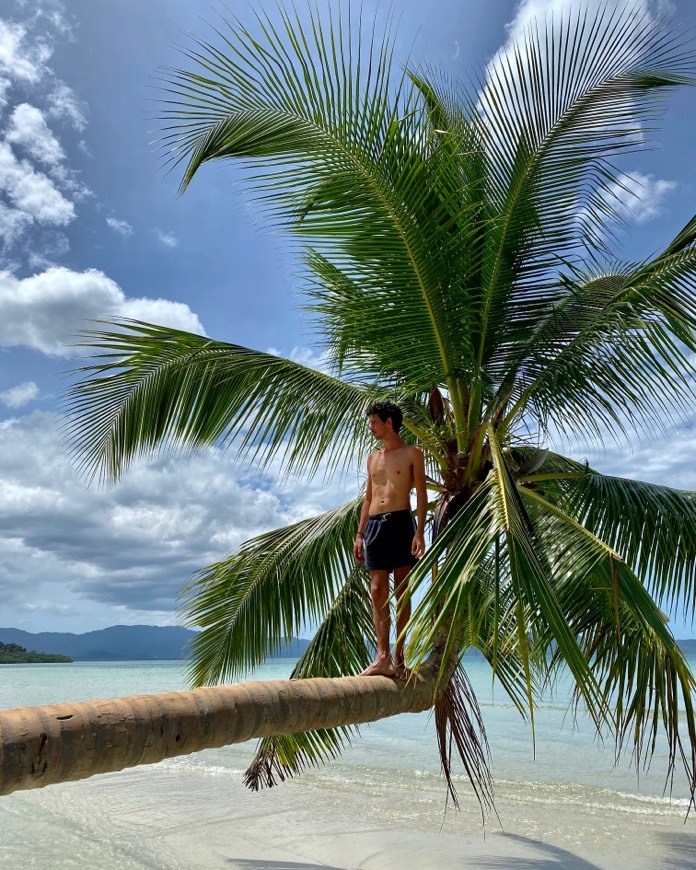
566, 790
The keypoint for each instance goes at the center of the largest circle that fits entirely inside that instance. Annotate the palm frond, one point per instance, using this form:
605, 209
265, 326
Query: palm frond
556, 108
151, 387
491, 628
348, 159
652, 527
645, 679
459, 723
539, 611
615, 348
249, 603
444, 578
342, 646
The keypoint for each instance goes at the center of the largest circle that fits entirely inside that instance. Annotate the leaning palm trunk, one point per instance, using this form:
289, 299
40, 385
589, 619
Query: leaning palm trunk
40, 746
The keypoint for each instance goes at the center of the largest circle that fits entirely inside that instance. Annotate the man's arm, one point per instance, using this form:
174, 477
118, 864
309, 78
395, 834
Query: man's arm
358, 553
418, 547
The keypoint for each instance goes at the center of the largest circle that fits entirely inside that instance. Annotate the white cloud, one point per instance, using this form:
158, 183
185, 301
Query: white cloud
123, 228
39, 189
13, 223
64, 104
641, 197
29, 129
131, 549
48, 310
32, 192
635, 197
5, 85
20, 395
169, 240
18, 60
163, 312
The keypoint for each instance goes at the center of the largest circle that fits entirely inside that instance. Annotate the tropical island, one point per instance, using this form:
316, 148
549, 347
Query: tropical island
459, 253
14, 654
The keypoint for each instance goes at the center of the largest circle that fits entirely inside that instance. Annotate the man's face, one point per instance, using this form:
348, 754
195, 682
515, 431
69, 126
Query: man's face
377, 427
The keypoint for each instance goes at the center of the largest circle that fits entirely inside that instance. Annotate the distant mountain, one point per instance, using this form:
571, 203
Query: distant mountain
688, 647
149, 643
123, 643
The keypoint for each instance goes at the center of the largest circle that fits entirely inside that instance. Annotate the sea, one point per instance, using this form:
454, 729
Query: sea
565, 787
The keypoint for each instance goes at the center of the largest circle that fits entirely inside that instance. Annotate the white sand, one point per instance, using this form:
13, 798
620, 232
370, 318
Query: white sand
169, 817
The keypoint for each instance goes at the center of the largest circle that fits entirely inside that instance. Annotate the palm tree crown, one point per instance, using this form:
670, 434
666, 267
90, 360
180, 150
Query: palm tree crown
458, 262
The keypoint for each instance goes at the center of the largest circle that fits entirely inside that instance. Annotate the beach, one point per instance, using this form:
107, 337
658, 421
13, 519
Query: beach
380, 805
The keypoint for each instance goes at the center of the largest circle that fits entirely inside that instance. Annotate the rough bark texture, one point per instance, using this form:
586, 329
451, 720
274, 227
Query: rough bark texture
62, 742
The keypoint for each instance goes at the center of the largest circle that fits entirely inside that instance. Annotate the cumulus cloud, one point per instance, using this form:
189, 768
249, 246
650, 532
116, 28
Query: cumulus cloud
29, 129
20, 57
635, 197
129, 550
20, 395
13, 223
123, 228
38, 190
47, 311
306, 356
32, 193
5, 84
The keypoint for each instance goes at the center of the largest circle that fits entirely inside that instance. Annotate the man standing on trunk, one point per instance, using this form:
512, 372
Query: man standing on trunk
388, 539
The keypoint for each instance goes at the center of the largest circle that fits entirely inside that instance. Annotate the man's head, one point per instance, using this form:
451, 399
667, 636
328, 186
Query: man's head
386, 413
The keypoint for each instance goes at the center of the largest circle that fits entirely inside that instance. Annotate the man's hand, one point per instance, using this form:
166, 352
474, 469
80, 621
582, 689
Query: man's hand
358, 554
418, 545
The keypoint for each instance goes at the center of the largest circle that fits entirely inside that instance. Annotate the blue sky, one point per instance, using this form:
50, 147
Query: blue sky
90, 226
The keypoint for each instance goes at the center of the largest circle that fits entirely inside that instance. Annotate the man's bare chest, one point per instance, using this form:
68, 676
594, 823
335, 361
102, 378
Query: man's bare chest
394, 467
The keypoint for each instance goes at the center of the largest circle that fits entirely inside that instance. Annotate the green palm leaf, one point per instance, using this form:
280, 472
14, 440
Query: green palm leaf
277, 583
359, 147
652, 527
152, 387
615, 347
342, 645
645, 678
555, 111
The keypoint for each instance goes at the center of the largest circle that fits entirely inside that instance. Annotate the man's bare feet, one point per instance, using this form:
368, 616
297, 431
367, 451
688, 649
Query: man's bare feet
382, 666
401, 672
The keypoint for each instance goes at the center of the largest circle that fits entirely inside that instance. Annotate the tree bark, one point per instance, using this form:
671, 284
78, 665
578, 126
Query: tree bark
63, 742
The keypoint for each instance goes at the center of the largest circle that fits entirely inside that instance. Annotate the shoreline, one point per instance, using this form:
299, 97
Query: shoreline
379, 806
205, 819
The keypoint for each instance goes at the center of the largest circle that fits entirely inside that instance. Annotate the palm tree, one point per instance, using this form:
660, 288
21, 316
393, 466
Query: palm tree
458, 259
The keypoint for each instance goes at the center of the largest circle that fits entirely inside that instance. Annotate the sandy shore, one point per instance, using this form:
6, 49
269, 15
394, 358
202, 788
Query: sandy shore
167, 817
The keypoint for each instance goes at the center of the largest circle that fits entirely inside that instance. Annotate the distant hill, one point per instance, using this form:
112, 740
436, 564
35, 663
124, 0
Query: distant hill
149, 643
688, 647
123, 643
14, 654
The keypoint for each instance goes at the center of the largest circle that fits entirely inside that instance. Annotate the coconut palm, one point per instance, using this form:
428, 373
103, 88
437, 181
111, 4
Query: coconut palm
458, 253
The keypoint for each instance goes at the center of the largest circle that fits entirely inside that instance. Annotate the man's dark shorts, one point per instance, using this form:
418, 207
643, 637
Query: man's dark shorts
388, 541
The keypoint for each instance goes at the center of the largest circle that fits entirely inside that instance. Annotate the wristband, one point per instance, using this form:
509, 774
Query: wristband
360, 535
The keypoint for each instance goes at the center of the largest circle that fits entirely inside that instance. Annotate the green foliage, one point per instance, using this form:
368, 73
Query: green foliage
14, 654
458, 244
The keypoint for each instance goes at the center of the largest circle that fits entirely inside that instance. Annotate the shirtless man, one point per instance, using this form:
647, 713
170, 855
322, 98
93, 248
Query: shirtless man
388, 539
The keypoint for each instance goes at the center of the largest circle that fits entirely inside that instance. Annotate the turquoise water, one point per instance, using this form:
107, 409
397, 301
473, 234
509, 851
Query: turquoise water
566, 751
542, 790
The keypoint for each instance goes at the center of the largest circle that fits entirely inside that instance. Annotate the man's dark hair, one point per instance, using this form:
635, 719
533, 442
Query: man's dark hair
385, 410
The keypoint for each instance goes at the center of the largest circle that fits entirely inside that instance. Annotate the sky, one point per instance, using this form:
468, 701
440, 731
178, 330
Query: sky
91, 226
